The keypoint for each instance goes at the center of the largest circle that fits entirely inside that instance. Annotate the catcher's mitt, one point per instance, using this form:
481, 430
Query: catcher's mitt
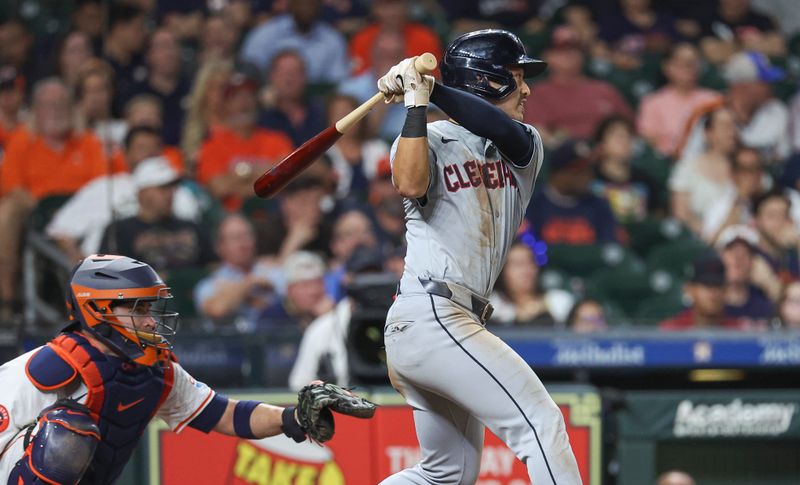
314, 405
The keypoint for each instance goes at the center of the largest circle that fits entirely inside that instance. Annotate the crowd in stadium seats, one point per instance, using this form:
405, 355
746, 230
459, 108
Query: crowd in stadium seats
669, 196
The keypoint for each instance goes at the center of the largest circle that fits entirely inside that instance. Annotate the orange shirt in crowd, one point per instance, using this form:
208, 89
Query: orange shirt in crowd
172, 154
419, 40
33, 165
224, 149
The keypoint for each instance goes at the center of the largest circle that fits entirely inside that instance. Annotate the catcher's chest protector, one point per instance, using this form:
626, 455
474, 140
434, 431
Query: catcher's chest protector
122, 399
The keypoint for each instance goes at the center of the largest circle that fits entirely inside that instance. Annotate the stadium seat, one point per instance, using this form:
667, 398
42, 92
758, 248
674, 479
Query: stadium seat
676, 256
624, 286
653, 231
585, 260
652, 163
656, 308
45, 210
182, 283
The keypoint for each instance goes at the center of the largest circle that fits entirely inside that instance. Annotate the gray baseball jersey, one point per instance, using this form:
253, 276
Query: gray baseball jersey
462, 230
457, 376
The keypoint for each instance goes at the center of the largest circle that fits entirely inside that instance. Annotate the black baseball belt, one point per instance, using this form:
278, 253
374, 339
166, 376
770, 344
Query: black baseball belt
459, 295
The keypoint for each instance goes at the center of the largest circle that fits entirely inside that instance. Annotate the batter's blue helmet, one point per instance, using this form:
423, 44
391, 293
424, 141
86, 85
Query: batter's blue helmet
476, 58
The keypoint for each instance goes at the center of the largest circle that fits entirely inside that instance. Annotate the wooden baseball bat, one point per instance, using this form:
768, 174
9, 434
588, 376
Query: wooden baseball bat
287, 169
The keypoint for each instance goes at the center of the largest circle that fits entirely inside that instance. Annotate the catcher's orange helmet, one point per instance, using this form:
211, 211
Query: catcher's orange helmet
102, 282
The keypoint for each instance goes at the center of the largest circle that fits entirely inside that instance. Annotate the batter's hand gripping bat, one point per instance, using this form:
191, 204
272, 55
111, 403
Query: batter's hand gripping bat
287, 169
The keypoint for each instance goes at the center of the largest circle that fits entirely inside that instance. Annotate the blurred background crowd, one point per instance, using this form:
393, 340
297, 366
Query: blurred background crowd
668, 198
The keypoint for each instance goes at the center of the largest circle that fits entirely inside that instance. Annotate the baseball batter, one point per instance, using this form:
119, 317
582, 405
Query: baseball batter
466, 182
73, 410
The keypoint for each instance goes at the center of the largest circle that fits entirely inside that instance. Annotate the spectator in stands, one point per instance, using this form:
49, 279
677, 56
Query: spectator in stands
206, 109
387, 206
122, 46
630, 192
218, 40
565, 211
143, 110
88, 18
16, 45
637, 22
696, 183
794, 122
706, 291
385, 120
777, 234
94, 93
79, 224
155, 234
305, 298
392, 15
587, 316
762, 120
287, 108
241, 288
743, 298
323, 48
517, 299
50, 159
238, 152
663, 114
185, 18
165, 81
736, 206
323, 350
790, 181
12, 97
789, 307
355, 157
736, 25
466, 16
590, 100
299, 222
352, 231
675, 477
73, 51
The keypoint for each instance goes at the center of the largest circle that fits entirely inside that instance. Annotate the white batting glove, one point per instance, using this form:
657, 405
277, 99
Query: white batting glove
420, 92
404, 82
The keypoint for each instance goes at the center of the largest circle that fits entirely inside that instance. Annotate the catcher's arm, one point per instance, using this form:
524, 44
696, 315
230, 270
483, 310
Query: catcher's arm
311, 417
263, 420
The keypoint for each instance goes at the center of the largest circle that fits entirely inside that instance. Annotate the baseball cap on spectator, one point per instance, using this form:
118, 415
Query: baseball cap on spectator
303, 266
240, 80
708, 270
737, 233
565, 37
570, 155
384, 169
10, 78
751, 66
364, 260
154, 172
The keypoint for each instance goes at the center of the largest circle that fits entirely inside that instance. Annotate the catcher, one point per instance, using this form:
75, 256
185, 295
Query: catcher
74, 409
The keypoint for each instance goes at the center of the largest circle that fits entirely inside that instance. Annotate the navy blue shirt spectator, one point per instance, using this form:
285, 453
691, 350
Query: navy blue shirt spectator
122, 48
565, 211
474, 14
323, 48
164, 81
638, 23
289, 110
743, 299
305, 298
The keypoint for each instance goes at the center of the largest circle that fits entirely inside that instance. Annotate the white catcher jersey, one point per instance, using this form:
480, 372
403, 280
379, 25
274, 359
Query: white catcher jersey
461, 231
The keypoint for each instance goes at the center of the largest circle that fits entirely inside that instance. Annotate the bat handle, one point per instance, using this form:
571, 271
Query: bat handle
424, 64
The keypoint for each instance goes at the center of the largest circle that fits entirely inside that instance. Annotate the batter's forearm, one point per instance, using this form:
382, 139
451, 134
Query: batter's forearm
485, 120
410, 168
